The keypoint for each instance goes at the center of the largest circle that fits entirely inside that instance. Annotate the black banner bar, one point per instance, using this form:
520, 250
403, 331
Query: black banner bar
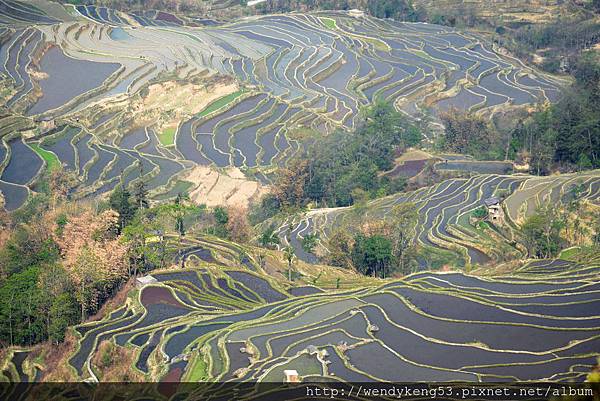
298, 391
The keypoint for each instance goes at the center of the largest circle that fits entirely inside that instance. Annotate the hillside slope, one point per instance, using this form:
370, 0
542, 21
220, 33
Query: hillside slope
219, 320
507, 11
235, 97
444, 214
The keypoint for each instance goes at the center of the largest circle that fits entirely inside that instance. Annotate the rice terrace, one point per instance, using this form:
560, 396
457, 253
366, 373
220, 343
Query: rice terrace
279, 191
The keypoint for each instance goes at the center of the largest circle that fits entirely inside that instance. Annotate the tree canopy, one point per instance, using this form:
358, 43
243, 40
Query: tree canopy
341, 162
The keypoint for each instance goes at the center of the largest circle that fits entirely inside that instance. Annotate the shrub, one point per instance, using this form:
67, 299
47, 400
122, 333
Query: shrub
268, 238
309, 242
480, 213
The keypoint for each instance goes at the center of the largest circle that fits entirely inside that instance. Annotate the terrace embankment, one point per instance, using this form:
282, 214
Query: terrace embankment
446, 220
223, 319
235, 94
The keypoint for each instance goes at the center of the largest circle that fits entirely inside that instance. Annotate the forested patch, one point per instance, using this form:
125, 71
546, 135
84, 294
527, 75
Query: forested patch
61, 260
343, 167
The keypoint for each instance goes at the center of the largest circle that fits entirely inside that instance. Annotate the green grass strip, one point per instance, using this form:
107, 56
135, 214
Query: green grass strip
167, 137
220, 102
199, 370
52, 161
329, 22
570, 253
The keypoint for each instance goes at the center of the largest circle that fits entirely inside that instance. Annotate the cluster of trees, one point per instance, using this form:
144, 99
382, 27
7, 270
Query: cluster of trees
397, 9
58, 262
374, 248
541, 233
230, 223
470, 134
459, 15
377, 248
400, 10
61, 260
284, 6
177, 6
145, 229
344, 167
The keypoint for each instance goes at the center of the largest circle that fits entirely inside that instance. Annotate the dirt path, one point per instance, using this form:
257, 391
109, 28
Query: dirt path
231, 187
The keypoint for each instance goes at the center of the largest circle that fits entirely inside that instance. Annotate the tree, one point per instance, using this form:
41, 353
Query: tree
541, 233
480, 213
584, 162
470, 134
53, 281
28, 245
221, 216
269, 237
542, 154
332, 168
120, 202
596, 228
398, 9
566, 134
177, 211
20, 301
86, 272
360, 199
381, 130
237, 224
5, 224
93, 256
262, 259
587, 71
63, 313
268, 207
136, 237
403, 221
372, 255
309, 242
60, 183
140, 192
289, 187
340, 244
290, 254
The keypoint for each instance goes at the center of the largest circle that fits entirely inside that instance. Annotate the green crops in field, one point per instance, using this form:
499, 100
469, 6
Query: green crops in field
50, 158
167, 137
329, 23
219, 103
